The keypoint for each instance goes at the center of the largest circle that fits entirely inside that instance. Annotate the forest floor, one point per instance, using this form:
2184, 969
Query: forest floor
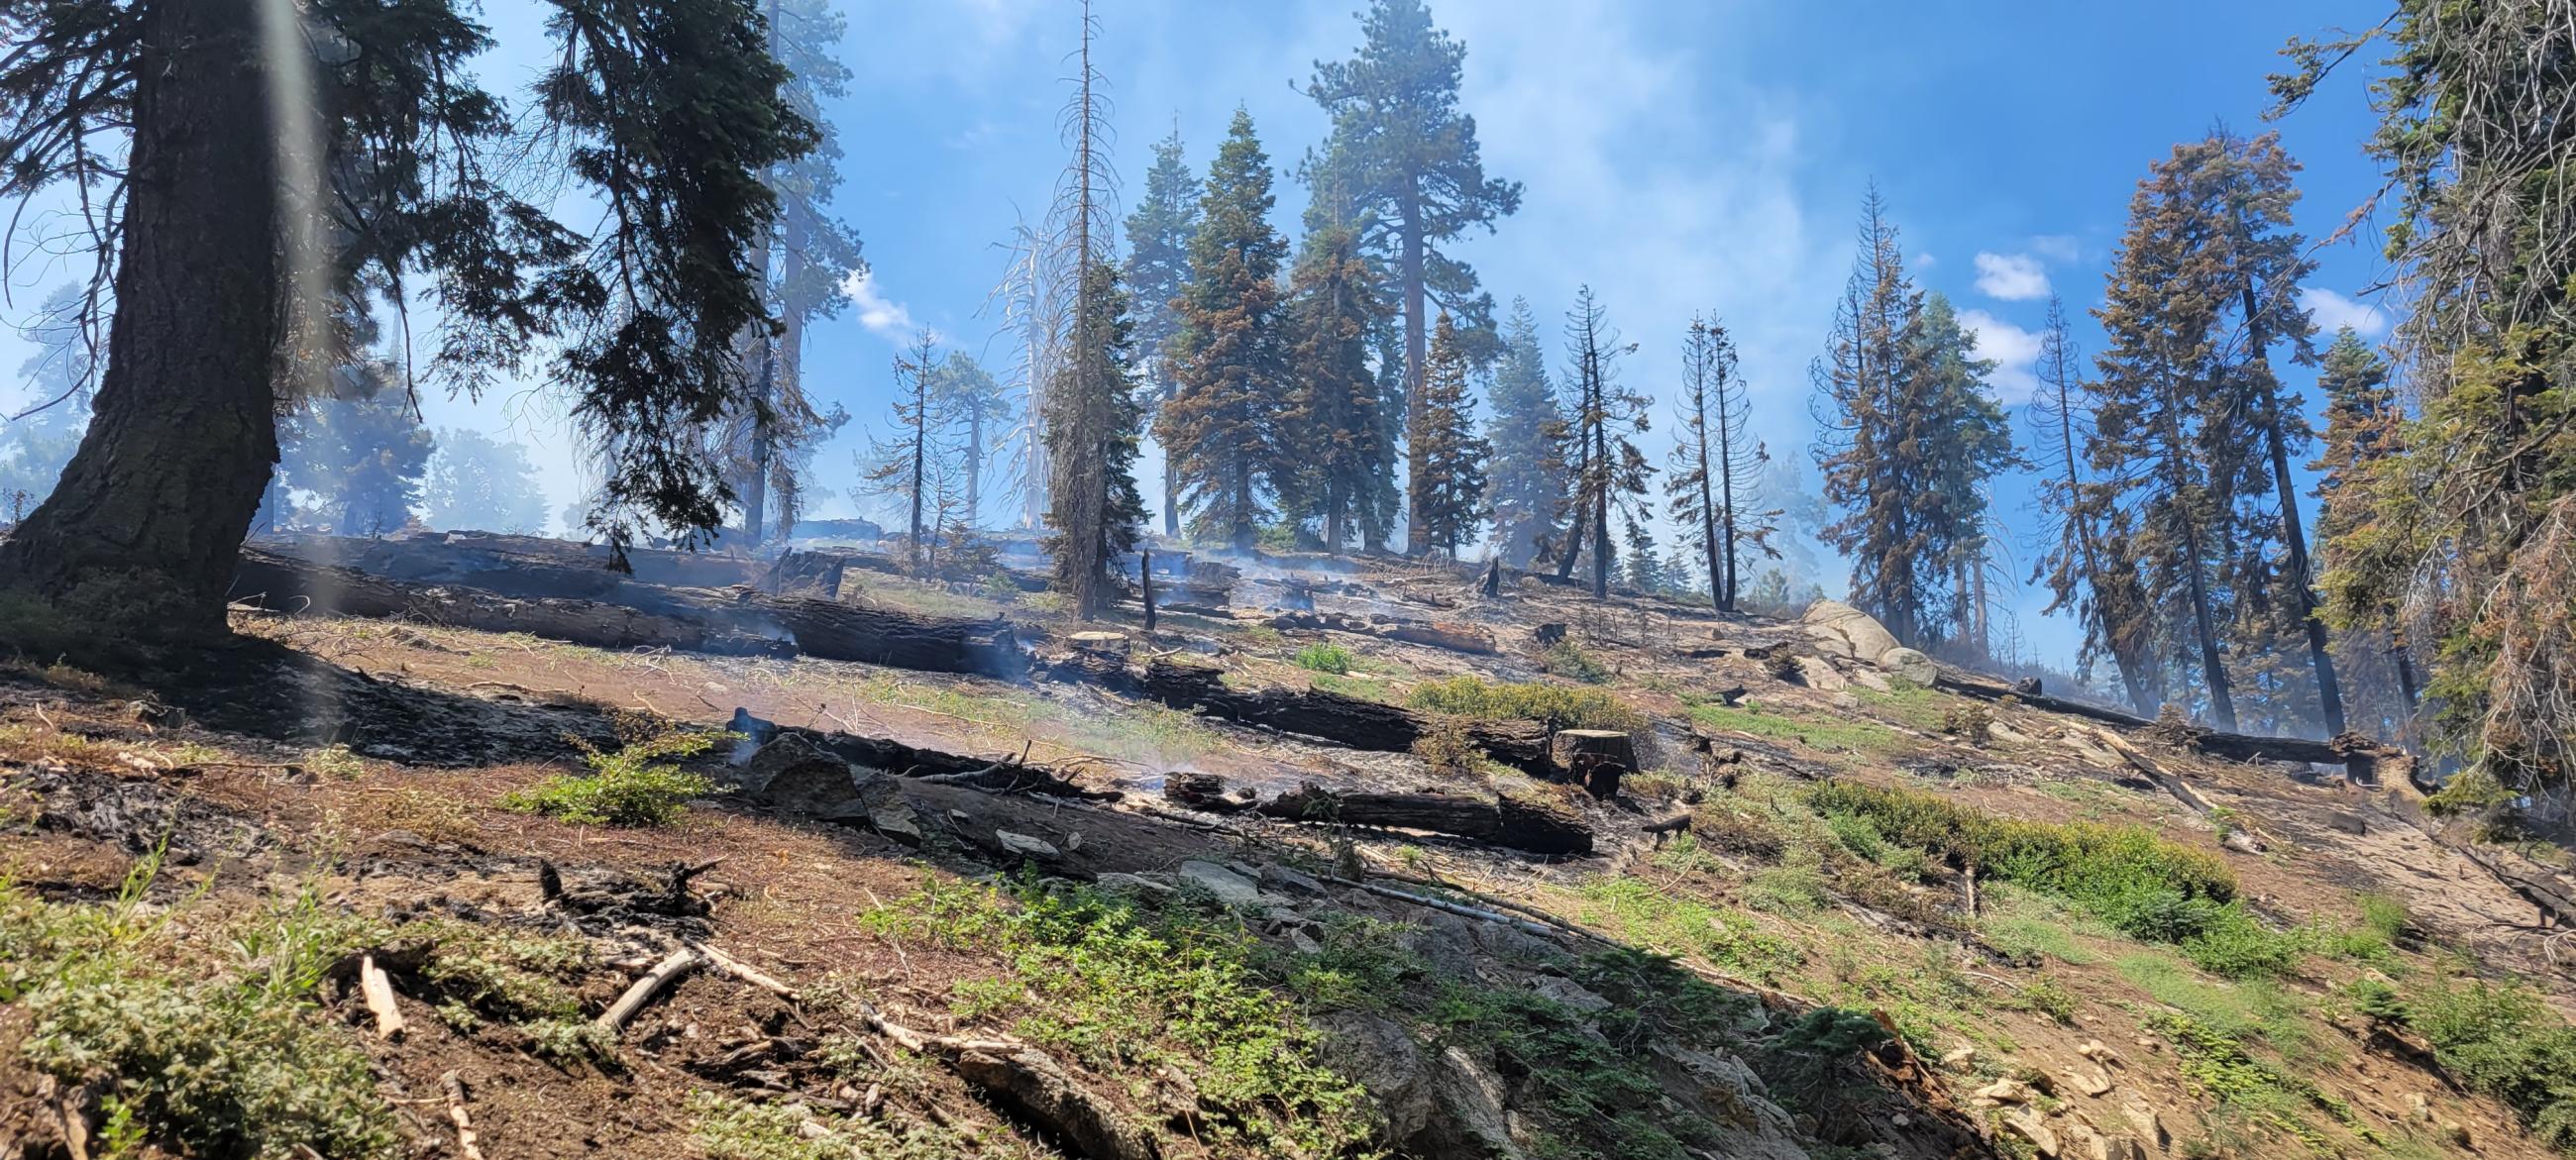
201, 866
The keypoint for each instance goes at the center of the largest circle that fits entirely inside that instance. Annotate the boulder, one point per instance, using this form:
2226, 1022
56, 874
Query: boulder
1229, 887
1383, 1058
1909, 664
1819, 673
1843, 630
792, 773
1471, 1120
1723, 1090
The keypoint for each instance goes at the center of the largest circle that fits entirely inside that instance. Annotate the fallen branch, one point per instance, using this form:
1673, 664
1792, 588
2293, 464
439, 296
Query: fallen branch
743, 971
681, 962
1033, 1084
456, 1115
379, 994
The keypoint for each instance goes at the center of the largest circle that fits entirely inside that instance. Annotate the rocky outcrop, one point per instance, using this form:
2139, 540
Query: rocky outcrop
1841, 630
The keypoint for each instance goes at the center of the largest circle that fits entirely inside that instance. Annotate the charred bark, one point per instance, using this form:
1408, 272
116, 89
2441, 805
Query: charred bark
138, 538
1504, 821
1332, 717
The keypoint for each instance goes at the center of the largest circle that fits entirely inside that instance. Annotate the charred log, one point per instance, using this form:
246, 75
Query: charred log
1506, 821
1332, 717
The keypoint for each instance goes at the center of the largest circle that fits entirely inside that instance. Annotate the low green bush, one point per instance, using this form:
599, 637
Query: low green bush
2504, 1041
1325, 658
634, 786
1558, 706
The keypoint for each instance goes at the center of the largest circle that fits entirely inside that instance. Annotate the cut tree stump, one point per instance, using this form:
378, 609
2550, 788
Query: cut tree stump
1597, 758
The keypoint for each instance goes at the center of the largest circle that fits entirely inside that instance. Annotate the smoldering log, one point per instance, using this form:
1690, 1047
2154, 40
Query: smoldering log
732, 622
2366, 759
1506, 821
1333, 717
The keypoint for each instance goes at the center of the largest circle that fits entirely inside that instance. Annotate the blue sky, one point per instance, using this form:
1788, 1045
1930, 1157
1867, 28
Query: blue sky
1678, 157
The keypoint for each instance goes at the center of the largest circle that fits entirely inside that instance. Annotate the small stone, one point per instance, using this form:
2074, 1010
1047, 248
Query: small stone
1568, 993
2004, 1091
1026, 846
2091, 1081
897, 821
1118, 883
1292, 880
2419, 1108
1959, 1058
1229, 887
2029, 1125
2144, 1121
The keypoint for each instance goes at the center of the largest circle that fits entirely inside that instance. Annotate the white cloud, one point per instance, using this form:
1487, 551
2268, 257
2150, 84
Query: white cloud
2012, 349
877, 314
1925, 261
2011, 277
2058, 248
2333, 310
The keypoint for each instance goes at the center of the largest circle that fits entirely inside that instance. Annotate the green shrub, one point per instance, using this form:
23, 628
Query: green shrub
2046, 997
1134, 993
1565, 659
633, 786
2502, 1040
1557, 706
1804, 1058
1325, 658
222, 1053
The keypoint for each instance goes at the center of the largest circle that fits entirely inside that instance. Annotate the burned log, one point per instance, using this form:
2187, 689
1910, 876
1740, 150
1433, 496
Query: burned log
1506, 821
736, 622
1335, 718
2366, 759
1204, 791
1597, 758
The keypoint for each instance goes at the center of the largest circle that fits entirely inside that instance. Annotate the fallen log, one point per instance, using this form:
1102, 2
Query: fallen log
2366, 759
681, 962
1504, 821
733, 622
1332, 717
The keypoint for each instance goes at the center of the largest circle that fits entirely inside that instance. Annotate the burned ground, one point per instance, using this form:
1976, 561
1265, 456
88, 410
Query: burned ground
1749, 963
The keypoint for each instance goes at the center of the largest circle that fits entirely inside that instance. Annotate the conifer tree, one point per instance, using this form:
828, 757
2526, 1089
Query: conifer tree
2365, 432
2100, 581
1609, 472
2154, 447
479, 482
1717, 466
1960, 433
1222, 422
1333, 423
666, 112
901, 466
1157, 272
1451, 496
1865, 409
1089, 416
1528, 471
969, 398
1406, 162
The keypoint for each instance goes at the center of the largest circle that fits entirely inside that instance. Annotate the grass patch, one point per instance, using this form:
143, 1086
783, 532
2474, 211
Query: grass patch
1644, 914
2502, 1040
1133, 993
1364, 688
635, 786
1143, 731
1566, 659
216, 1049
1839, 736
2215, 1062
1556, 705
1324, 658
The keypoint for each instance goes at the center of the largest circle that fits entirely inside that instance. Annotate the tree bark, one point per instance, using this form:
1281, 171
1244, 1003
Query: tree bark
1503, 822
139, 537
1417, 534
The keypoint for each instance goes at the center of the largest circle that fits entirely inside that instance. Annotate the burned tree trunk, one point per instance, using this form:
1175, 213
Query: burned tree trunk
1505, 821
1328, 716
1597, 758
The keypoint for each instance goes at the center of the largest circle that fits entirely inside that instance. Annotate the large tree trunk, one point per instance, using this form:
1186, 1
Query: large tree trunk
139, 537
1417, 534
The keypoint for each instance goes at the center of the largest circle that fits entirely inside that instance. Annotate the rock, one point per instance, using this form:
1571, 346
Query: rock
1280, 876
1138, 884
1384, 1059
2116, 1146
1819, 673
2004, 1091
897, 821
1026, 846
1909, 664
1959, 1058
2098, 1052
1722, 1090
1229, 887
2418, 1108
1472, 1121
2091, 1081
1843, 630
2030, 1125
1870, 679
1568, 993
2144, 1121
791, 773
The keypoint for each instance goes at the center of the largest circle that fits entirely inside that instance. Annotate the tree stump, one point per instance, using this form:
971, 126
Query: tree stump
1597, 758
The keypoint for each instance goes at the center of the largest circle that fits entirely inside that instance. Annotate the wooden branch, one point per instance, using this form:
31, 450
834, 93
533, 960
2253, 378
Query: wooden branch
456, 1115
379, 994
1031, 1083
743, 971
681, 962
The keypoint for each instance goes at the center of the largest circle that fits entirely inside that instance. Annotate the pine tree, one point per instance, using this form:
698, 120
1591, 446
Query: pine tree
1451, 494
969, 398
1222, 422
667, 112
39, 438
2100, 580
1528, 471
2153, 452
1864, 408
478, 482
1333, 424
1406, 164
2364, 436
1964, 441
1089, 417
901, 467
1158, 257
807, 262
1609, 472
1717, 466
361, 459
